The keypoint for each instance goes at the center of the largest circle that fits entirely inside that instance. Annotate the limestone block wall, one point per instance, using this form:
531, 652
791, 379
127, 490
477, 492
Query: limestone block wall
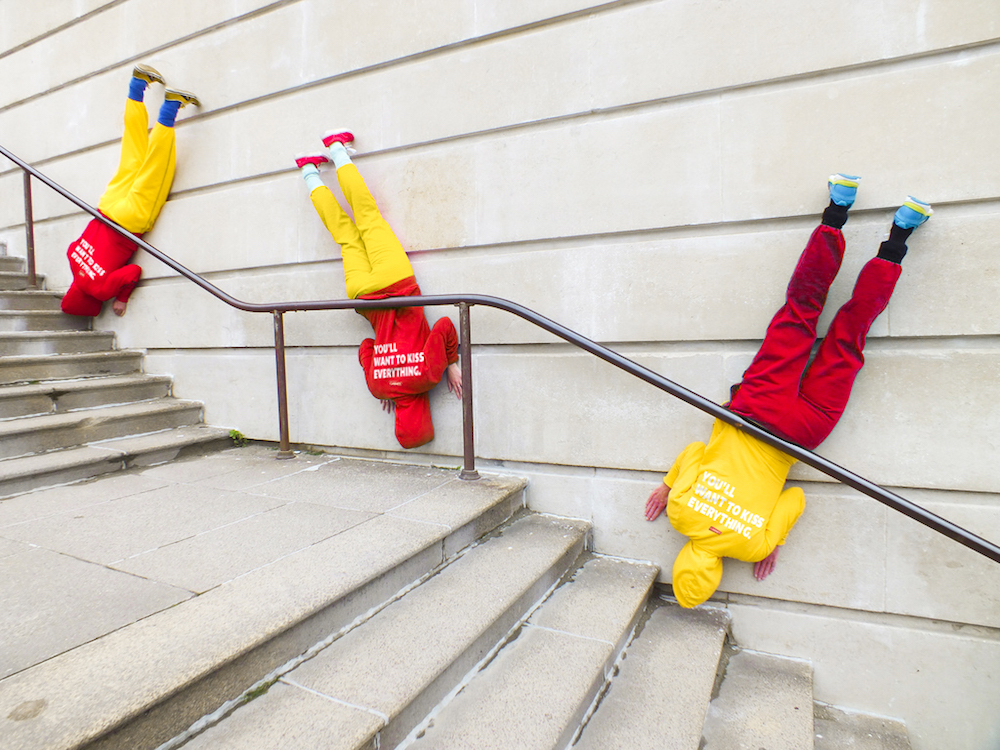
643, 171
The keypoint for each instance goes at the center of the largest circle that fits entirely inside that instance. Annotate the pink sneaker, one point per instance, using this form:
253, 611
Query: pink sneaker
315, 159
337, 136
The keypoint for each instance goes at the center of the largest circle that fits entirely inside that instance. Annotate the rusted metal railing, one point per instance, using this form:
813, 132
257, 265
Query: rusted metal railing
464, 303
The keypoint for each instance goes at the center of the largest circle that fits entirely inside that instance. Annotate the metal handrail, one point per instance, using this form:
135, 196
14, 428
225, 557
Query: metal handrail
464, 301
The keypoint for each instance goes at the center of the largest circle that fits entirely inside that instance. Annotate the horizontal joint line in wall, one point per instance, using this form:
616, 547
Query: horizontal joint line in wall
556, 119
62, 27
868, 617
319, 82
144, 54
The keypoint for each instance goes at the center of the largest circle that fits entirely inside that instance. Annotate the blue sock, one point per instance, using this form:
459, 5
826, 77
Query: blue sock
168, 112
136, 89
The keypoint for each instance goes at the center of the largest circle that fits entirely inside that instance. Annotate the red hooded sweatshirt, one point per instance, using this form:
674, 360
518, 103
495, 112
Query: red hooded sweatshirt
406, 359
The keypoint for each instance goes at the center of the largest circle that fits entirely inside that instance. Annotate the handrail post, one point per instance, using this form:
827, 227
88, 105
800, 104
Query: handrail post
284, 449
468, 434
29, 230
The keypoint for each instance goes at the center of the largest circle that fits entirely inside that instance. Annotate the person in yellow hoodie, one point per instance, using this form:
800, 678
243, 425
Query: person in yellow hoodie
728, 496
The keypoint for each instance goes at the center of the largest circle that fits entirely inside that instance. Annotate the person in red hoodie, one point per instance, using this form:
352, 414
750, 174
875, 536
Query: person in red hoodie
99, 258
728, 496
407, 357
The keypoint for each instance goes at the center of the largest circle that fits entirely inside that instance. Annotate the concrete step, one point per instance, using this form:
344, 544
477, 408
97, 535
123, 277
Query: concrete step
27, 435
33, 343
139, 684
842, 730
30, 300
36, 368
52, 397
662, 691
15, 280
41, 320
393, 669
764, 701
539, 687
27, 473
12, 264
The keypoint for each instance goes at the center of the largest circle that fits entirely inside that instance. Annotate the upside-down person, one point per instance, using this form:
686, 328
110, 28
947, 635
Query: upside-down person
407, 357
99, 258
728, 496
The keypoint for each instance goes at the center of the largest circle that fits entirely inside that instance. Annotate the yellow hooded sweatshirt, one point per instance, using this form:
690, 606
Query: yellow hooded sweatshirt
727, 498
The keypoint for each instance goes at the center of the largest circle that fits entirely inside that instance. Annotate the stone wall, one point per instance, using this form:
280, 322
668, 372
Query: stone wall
645, 172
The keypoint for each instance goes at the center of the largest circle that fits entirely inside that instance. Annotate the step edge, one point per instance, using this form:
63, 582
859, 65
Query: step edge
117, 727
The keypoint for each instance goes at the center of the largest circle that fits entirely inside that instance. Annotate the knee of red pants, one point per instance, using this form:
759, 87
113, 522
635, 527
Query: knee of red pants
78, 302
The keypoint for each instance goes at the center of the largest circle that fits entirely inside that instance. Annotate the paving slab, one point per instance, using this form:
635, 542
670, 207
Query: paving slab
39, 588
213, 557
8, 547
664, 684
60, 500
110, 532
764, 701
271, 576
359, 485
238, 470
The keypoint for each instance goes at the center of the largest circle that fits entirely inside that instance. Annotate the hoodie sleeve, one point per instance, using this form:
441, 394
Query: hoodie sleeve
688, 460
786, 512
365, 353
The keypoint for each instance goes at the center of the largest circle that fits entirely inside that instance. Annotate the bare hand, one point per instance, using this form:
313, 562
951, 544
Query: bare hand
118, 307
765, 567
388, 405
657, 502
454, 376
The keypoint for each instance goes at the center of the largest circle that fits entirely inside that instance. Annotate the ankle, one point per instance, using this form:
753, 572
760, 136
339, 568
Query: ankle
136, 89
835, 215
894, 248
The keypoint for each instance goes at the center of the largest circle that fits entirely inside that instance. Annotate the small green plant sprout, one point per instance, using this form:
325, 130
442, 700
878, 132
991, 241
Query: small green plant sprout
239, 439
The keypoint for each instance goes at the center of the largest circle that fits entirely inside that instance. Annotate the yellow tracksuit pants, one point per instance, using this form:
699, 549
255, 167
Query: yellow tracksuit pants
373, 257
138, 190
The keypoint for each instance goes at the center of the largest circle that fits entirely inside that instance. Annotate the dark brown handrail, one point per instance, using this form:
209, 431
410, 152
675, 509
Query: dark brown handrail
464, 301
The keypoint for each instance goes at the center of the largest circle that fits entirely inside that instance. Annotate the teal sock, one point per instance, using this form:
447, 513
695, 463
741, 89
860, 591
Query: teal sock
311, 175
338, 154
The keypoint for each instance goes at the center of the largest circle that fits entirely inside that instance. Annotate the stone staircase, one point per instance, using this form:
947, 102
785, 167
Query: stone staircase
472, 658
454, 619
71, 405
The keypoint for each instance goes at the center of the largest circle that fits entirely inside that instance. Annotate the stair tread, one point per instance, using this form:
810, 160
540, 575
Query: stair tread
47, 313
54, 334
100, 452
764, 701
94, 415
662, 691
74, 356
537, 690
21, 390
146, 662
842, 730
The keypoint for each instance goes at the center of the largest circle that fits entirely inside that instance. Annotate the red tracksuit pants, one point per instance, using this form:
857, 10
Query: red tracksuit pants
778, 391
